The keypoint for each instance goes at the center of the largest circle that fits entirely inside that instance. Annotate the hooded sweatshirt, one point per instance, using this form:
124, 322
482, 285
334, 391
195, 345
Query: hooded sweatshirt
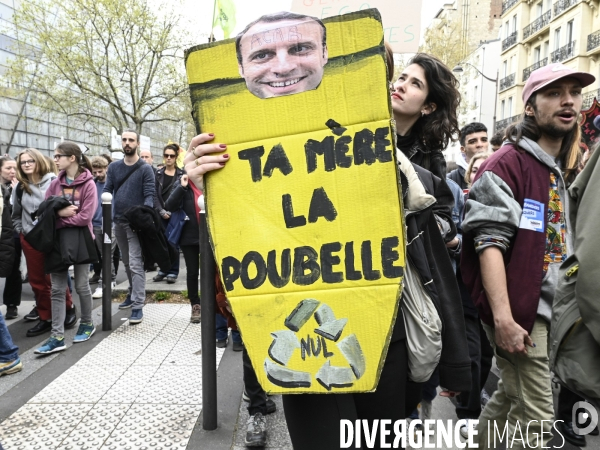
518, 203
22, 211
81, 193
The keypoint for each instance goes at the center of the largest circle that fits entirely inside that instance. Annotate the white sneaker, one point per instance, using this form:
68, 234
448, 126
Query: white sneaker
464, 429
97, 293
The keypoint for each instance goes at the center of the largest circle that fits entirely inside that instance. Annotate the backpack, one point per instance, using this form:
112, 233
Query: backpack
423, 327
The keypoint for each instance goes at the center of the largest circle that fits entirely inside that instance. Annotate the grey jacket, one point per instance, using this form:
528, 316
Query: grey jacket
494, 216
575, 329
22, 211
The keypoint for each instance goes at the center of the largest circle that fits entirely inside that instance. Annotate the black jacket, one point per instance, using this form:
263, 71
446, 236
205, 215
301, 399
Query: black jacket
7, 242
185, 196
428, 254
45, 238
148, 225
432, 160
458, 176
159, 204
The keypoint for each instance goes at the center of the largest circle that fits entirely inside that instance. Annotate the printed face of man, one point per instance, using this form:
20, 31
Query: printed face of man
282, 58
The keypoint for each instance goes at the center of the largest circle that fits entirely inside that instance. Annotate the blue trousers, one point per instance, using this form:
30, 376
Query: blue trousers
221, 328
8, 350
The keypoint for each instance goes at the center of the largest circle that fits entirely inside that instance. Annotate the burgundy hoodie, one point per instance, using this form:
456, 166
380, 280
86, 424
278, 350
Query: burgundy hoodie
82, 193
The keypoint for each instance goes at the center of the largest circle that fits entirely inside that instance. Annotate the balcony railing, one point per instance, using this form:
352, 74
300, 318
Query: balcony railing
593, 40
563, 53
537, 24
509, 41
507, 4
527, 70
507, 82
588, 99
562, 5
502, 124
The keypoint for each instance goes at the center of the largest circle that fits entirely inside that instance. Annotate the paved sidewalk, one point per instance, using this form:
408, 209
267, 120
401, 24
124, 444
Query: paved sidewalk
139, 388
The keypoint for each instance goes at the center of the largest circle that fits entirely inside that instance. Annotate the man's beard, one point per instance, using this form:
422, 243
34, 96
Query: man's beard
129, 150
553, 131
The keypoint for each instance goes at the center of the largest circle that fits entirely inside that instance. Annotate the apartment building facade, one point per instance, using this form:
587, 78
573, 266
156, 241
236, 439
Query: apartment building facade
535, 33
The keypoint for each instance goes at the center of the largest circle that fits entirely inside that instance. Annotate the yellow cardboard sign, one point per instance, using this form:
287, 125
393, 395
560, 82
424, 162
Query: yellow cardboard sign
305, 219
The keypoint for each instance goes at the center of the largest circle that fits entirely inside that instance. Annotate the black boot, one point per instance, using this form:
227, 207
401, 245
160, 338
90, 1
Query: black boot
41, 328
566, 429
71, 318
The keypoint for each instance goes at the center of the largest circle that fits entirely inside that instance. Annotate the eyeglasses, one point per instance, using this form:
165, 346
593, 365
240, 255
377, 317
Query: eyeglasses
166, 155
58, 156
29, 162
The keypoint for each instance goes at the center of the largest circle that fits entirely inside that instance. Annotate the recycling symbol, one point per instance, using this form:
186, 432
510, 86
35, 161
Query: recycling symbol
329, 330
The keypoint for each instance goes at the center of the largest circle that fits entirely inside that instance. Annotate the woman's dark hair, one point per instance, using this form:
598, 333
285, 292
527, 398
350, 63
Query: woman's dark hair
72, 149
570, 151
174, 147
437, 129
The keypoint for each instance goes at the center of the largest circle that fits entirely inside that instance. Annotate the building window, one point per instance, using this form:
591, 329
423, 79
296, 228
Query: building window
546, 48
514, 23
537, 53
507, 29
557, 39
502, 110
539, 10
505, 69
570, 31
475, 96
509, 107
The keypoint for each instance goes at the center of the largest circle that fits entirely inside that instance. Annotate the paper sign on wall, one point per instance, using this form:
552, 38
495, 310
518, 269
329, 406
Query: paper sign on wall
401, 18
305, 219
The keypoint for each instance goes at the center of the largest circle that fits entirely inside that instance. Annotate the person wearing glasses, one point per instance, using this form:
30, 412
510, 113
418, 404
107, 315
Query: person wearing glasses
167, 178
131, 182
35, 175
75, 183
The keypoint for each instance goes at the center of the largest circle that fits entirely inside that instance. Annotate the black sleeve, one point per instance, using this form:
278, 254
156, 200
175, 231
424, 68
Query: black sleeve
173, 203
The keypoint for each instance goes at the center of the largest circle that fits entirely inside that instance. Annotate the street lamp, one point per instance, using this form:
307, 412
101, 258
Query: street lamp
458, 69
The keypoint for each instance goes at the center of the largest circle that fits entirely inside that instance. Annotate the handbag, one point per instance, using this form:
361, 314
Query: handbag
423, 327
76, 246
175, 226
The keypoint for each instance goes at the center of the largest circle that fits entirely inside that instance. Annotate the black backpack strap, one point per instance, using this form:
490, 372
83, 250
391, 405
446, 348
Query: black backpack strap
136, 166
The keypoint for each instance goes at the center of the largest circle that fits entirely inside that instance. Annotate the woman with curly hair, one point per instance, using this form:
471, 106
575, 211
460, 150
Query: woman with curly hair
425, 100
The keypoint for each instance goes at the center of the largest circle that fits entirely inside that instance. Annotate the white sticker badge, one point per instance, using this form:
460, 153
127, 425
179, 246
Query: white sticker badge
533, 216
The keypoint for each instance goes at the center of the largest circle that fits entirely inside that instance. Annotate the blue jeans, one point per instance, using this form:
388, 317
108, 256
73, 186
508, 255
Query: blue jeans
221, 329
8, 350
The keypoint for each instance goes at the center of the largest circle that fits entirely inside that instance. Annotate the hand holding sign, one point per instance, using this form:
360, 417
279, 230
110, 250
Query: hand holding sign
200, 159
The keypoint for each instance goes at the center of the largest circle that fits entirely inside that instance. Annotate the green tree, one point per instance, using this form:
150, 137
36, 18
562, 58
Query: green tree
112, 62
445, 40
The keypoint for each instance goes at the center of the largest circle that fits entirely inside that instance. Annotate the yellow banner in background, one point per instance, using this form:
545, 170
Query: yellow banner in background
305, 218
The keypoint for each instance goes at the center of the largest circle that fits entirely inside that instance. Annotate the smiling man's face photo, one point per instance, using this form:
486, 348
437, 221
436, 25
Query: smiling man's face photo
282, 57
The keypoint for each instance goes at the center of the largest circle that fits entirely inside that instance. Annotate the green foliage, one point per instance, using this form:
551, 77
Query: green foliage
161, 296
112, 62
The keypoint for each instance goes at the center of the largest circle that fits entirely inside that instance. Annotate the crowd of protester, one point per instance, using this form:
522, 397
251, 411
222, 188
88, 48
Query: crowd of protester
487, 242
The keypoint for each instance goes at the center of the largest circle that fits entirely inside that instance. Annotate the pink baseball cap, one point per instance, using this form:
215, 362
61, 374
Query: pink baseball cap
543, 76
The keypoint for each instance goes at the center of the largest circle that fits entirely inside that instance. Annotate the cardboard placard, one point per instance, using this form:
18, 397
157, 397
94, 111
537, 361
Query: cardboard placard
305, 219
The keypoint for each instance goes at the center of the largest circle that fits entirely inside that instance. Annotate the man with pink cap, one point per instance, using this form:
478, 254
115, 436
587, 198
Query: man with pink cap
516, 235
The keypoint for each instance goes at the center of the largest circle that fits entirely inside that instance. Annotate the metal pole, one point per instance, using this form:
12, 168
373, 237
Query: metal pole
106, 261
207, 302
